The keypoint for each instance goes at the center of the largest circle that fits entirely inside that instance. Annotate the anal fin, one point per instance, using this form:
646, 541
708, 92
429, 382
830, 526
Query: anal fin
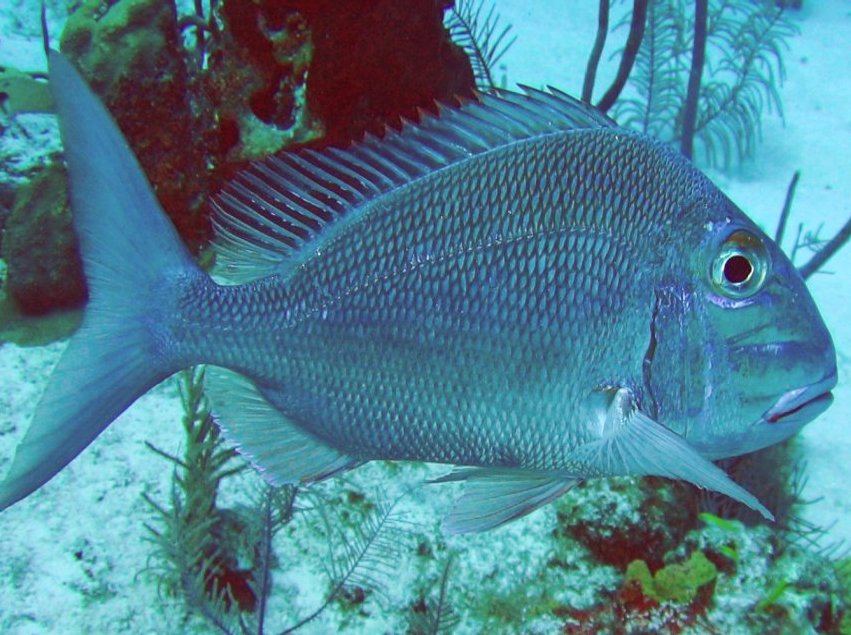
494, 496
279, 449
634, 444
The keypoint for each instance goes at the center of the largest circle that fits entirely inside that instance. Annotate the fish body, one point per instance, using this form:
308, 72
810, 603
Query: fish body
464, 318
468, 317
517, 287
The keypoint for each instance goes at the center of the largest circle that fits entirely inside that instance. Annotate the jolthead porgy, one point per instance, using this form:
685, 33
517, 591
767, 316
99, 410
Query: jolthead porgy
517, 287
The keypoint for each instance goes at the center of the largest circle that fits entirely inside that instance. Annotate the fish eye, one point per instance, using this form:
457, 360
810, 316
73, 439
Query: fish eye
741, 265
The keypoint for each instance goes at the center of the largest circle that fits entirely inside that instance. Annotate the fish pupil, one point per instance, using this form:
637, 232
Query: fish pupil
737, 269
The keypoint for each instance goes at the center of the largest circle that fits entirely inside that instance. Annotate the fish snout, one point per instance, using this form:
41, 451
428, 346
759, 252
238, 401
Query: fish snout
803, 404
785, 382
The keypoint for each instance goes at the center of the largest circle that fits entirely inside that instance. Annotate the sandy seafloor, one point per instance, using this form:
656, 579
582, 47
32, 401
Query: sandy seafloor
73, 556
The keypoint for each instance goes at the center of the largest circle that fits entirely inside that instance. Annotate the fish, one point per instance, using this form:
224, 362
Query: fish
514, 286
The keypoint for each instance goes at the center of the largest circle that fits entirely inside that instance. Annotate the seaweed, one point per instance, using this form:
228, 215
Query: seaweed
823, 248
435, 616
205, 27
198, 544
483, 38
787, 208
698, 59
748, 40
661, 64
359, 558
596, 51
739, 80
220, 560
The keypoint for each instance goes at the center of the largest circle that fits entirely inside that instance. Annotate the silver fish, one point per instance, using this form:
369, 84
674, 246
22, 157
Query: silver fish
517, 287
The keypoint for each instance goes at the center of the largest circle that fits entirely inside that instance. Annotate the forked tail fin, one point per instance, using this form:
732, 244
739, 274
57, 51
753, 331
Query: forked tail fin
134, 263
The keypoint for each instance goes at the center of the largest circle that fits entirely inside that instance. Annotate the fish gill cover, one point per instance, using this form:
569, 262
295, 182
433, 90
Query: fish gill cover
353, 191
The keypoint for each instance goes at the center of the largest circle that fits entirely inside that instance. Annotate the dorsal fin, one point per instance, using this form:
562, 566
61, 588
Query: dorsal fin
281, 203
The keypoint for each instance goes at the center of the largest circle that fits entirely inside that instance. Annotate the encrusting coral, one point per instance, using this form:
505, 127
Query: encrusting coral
270, 75
131, 54
40, 248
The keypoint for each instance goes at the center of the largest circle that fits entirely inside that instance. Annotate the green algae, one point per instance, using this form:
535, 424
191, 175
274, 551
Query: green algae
675, 582
24, 93
843, 571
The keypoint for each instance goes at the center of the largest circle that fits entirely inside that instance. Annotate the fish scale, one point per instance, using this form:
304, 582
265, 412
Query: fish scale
388, 311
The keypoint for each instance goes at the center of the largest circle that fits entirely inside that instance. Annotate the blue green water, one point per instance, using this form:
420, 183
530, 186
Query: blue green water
78, 557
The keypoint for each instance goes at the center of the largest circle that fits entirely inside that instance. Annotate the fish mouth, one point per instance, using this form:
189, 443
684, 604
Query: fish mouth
802, 405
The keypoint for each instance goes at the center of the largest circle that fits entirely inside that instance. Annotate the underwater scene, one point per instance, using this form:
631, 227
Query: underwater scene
422, 316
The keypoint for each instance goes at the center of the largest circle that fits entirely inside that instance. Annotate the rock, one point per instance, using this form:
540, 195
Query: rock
39, 246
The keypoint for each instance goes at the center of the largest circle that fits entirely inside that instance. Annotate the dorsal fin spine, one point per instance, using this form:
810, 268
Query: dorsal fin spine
235, 248
364, 170
519, 104
510, 115
500, 123
431, 146
337, 201
271, 200
467, 137
258, 209
285, 201
237, 223
292, 186
336, 174
418, 161
333, 173
375, 159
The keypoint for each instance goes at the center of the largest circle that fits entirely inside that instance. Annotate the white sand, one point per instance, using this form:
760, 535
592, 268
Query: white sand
72, 552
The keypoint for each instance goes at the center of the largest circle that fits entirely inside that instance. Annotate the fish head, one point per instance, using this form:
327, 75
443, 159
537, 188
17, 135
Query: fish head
755, 359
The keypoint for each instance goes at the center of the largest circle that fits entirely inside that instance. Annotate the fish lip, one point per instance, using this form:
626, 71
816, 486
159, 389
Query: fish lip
802, 404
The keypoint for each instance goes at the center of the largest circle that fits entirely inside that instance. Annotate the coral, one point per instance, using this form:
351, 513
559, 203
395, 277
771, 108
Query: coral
28, 139
673, 599
192, 117
39, 246
483, 39
359, 82
131, 54
257, 79
435, 615
792, 590
741, 75
843, 571
621, 519
220, 560
774, 476
199, 544
700, 589
296, 72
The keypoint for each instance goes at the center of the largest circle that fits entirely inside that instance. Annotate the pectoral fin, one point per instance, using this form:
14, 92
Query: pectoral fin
634, 444
494, 497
